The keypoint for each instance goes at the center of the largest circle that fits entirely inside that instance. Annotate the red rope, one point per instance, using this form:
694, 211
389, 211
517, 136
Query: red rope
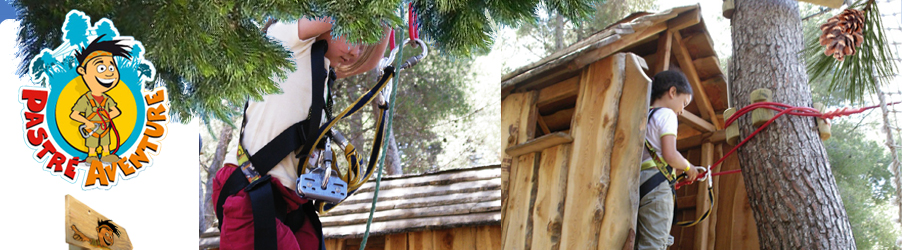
784, 109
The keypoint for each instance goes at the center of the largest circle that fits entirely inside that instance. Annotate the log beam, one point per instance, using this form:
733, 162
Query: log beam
701, 99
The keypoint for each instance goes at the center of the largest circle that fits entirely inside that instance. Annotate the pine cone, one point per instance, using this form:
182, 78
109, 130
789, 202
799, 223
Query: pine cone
842, 33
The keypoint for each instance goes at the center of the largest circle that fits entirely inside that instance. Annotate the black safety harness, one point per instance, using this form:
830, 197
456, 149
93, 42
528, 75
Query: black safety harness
251, 173
665, 173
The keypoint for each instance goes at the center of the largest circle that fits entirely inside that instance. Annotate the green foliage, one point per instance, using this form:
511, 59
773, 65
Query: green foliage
212, 56
860, 73
603, 13
429, 93
862, 175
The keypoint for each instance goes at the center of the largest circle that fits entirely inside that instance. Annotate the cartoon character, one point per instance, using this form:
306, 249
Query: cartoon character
95, 109
105, 231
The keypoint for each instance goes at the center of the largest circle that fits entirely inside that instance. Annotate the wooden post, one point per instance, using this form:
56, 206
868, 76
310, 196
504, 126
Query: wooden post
702, 202
663, 54
699, 97
593, 124
712, 218
516, 110
548, 216
519, 116
622, 201
88, 229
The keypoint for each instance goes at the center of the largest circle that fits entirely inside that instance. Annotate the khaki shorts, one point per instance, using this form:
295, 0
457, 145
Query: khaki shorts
93, 142
655, 215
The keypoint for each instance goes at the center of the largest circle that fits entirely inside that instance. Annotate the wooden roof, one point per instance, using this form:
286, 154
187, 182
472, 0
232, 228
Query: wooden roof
637, 33
444, 199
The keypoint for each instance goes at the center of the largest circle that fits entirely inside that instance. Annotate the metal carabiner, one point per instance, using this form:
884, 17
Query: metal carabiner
327, 160
707, 176
415, 59
85, 134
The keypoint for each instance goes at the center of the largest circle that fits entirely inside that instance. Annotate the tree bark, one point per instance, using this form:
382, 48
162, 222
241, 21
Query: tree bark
392, 156
558, 32
225, 136
791, 189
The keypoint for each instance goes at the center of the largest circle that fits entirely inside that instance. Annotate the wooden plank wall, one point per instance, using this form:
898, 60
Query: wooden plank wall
593, 125
462, 238
618, 226
518, 119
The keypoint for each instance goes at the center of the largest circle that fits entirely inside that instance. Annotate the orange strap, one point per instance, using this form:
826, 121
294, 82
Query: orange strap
104, 115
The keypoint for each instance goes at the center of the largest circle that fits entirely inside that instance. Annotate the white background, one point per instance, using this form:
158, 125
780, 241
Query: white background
158, 207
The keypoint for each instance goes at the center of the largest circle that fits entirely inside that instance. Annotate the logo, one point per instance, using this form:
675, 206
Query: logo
92, 116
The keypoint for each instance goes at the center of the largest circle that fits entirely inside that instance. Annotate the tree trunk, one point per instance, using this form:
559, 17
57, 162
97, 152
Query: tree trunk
790, 186
558, 32
392, 156
225, 136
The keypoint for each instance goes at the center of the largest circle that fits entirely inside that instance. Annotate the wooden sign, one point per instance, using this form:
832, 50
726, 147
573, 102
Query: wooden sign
88, 229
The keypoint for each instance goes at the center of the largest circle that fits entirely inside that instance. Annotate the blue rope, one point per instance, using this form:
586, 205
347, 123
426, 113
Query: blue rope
391, 115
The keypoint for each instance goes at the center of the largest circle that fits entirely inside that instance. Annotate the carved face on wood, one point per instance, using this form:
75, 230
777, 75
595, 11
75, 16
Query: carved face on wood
106, 235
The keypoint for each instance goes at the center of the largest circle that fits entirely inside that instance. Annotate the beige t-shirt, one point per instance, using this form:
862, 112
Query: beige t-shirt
268, 118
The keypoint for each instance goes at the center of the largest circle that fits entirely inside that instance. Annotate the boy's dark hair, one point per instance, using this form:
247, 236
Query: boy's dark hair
108, 223
666, 79
108, 46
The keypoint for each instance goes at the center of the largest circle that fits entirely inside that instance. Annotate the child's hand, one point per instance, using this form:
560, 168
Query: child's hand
692, 173
89, 126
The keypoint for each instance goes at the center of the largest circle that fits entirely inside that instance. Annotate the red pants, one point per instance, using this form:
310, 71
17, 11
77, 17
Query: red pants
237, 227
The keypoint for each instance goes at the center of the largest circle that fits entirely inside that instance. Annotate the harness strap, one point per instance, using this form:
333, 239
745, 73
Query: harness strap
232, 186
651, 184
660, 164
252, 176
665, 174
263, 208
319, 73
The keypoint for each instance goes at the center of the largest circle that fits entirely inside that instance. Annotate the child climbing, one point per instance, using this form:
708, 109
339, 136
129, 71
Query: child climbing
262, 210
661, 161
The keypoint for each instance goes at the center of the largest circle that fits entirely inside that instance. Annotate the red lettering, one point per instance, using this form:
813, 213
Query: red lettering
58, 160
70, 168
36, 99
33, 119
48, 148
156, 113
35, 137
156, 132
157, 97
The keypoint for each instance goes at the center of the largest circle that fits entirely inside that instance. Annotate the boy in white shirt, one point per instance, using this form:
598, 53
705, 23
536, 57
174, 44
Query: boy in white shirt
661, 162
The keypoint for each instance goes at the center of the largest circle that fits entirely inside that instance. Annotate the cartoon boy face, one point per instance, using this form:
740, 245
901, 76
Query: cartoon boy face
100, 73
106, 235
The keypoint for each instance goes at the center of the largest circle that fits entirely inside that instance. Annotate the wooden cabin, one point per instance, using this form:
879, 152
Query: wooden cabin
574, 124
454, 209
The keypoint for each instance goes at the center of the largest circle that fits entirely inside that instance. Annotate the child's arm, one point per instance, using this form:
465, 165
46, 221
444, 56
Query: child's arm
79, 118
310, 28
675, 160
373, 60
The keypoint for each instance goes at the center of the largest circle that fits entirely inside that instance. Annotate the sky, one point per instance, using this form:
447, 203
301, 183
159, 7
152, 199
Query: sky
158, 208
